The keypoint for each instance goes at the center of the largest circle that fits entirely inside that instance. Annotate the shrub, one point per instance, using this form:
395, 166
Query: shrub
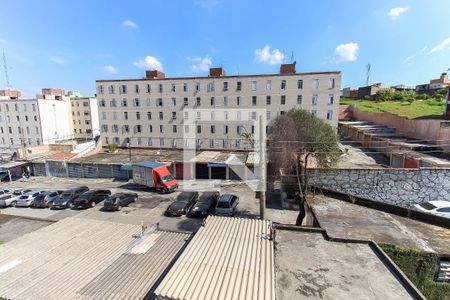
112, 147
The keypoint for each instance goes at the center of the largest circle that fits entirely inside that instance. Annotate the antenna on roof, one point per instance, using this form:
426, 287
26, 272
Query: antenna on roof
368, 66
292, 57
5, 67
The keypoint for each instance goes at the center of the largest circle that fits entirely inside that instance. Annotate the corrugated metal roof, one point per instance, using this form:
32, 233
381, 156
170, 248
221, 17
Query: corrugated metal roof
148, 164
13, 164
228, 258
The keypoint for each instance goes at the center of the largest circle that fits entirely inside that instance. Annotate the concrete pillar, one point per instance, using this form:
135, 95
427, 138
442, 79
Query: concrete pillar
209, 173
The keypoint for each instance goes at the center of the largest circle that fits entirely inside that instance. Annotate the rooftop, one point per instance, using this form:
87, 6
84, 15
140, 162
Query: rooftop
228, 258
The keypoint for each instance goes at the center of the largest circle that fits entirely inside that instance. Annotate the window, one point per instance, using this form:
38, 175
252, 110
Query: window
282, 113
316, 83
160, 88
18, 118
174, 115
24, 107
253, 129
174, 87
213, 116
102, 103
213, 129
104, 128
198, 101
213, 102
283, 84
300, 84
225, 129
268, 100
314, 113
174, 128
225, 86
186, 115
283, 100
149, 142
199, 129
124, 102
238, 100
253, 85
225, 114
269, 85
330, 99
149, 101
197, 86
186, 128
150, 128
159, 102
85, 103
299, 99
136, 89
113, 103
174, 101
238, 86
125, 115
161, 128
125, 129
199, 115
161, 115
211, 87
253, 115
211, 143
329, 115
225, 101
186, 102
149, 88
238, 129
26, 119
314, 100
100, 89
138, 129
123, 89
35, 118
104, 115
268, 115
136, 102
33, 106
149, 115
115, 128
114, 115
138, 115
331, 83
161, 141
185, 87
254, 100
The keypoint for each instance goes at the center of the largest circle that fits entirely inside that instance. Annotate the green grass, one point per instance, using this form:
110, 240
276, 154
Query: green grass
430, 108
420, 267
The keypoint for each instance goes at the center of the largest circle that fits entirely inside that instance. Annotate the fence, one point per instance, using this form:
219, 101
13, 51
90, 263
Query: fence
57, 168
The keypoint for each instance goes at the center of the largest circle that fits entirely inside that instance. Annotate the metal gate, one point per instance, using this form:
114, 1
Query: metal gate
39, 169
90, 171
75, 170
57, 168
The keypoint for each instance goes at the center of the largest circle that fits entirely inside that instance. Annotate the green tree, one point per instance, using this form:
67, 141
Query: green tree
294, 138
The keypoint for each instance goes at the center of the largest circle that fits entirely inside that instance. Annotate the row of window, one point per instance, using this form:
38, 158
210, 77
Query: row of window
85, 104
86, 122
8, 119
85, 113
21, 142
198, 101
19, 130
80, 131
6, 107
210, 87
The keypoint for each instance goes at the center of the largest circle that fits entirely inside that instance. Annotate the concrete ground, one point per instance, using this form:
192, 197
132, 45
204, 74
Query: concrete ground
309, 267
150, 207
356, 156
342, 219
13, 227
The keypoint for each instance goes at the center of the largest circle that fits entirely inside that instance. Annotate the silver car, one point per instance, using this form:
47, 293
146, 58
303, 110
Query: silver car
227, 205
11, 199
26, 200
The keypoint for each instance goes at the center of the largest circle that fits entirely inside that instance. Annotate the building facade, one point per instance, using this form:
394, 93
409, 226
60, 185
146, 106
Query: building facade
435, 84
159, 112
84, 117
31, 122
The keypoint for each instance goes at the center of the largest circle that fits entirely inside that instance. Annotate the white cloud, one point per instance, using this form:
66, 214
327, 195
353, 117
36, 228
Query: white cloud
397, 11
441, 46
265, 55
149, 63
129, 24
346, 52
201, 63
110, 69
58, 60
411, 57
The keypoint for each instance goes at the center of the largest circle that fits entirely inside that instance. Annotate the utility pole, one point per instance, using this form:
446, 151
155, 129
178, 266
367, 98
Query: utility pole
262, 166
368, 66
5, 66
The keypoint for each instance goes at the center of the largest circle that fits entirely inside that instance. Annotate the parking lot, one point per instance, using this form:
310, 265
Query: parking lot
149, 208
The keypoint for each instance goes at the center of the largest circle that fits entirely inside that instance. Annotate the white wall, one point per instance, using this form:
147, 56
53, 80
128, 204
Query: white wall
56, 120
94, 117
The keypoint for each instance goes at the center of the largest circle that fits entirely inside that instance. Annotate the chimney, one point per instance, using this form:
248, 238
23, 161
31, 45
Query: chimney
216, 72
287, 68
154, 74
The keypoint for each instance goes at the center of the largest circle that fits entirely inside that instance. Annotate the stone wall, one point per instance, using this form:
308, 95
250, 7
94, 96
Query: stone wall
403, 187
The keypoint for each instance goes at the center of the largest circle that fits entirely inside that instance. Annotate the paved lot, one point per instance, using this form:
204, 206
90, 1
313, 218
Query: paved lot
346, 220
309, 267
12, 227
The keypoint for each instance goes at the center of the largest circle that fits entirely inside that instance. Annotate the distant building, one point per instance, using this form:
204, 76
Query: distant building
350, 93
435, 84
85, 116
402, 87
29, 122
371, 90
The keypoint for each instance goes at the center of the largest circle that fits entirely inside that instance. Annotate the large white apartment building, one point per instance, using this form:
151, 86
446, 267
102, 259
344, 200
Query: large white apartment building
31, 122
157, 112
84, 116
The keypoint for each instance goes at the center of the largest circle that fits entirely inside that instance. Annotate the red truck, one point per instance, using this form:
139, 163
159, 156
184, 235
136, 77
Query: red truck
154, 175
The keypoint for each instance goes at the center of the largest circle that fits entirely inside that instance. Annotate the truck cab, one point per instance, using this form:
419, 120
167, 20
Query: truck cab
164, 181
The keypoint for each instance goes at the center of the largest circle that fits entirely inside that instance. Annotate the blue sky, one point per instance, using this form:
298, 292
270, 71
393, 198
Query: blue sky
70, 44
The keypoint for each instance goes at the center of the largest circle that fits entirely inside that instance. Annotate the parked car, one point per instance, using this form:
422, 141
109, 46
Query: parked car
46, 199
439, 208
182, 204
119, 200
226, 205
4, 192
91, 198
205, 204
67, 197
11, 199
26, 200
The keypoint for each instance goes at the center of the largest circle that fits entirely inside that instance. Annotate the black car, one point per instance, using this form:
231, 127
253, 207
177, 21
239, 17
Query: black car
182, 204
205, 204
91, 198
66, 198
119, 200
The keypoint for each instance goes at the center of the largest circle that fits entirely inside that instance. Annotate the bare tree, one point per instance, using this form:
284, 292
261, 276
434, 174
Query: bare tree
295, 138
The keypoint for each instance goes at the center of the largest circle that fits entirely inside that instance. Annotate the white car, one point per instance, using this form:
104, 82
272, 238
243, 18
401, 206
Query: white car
26, 200
11, 199
439, 208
